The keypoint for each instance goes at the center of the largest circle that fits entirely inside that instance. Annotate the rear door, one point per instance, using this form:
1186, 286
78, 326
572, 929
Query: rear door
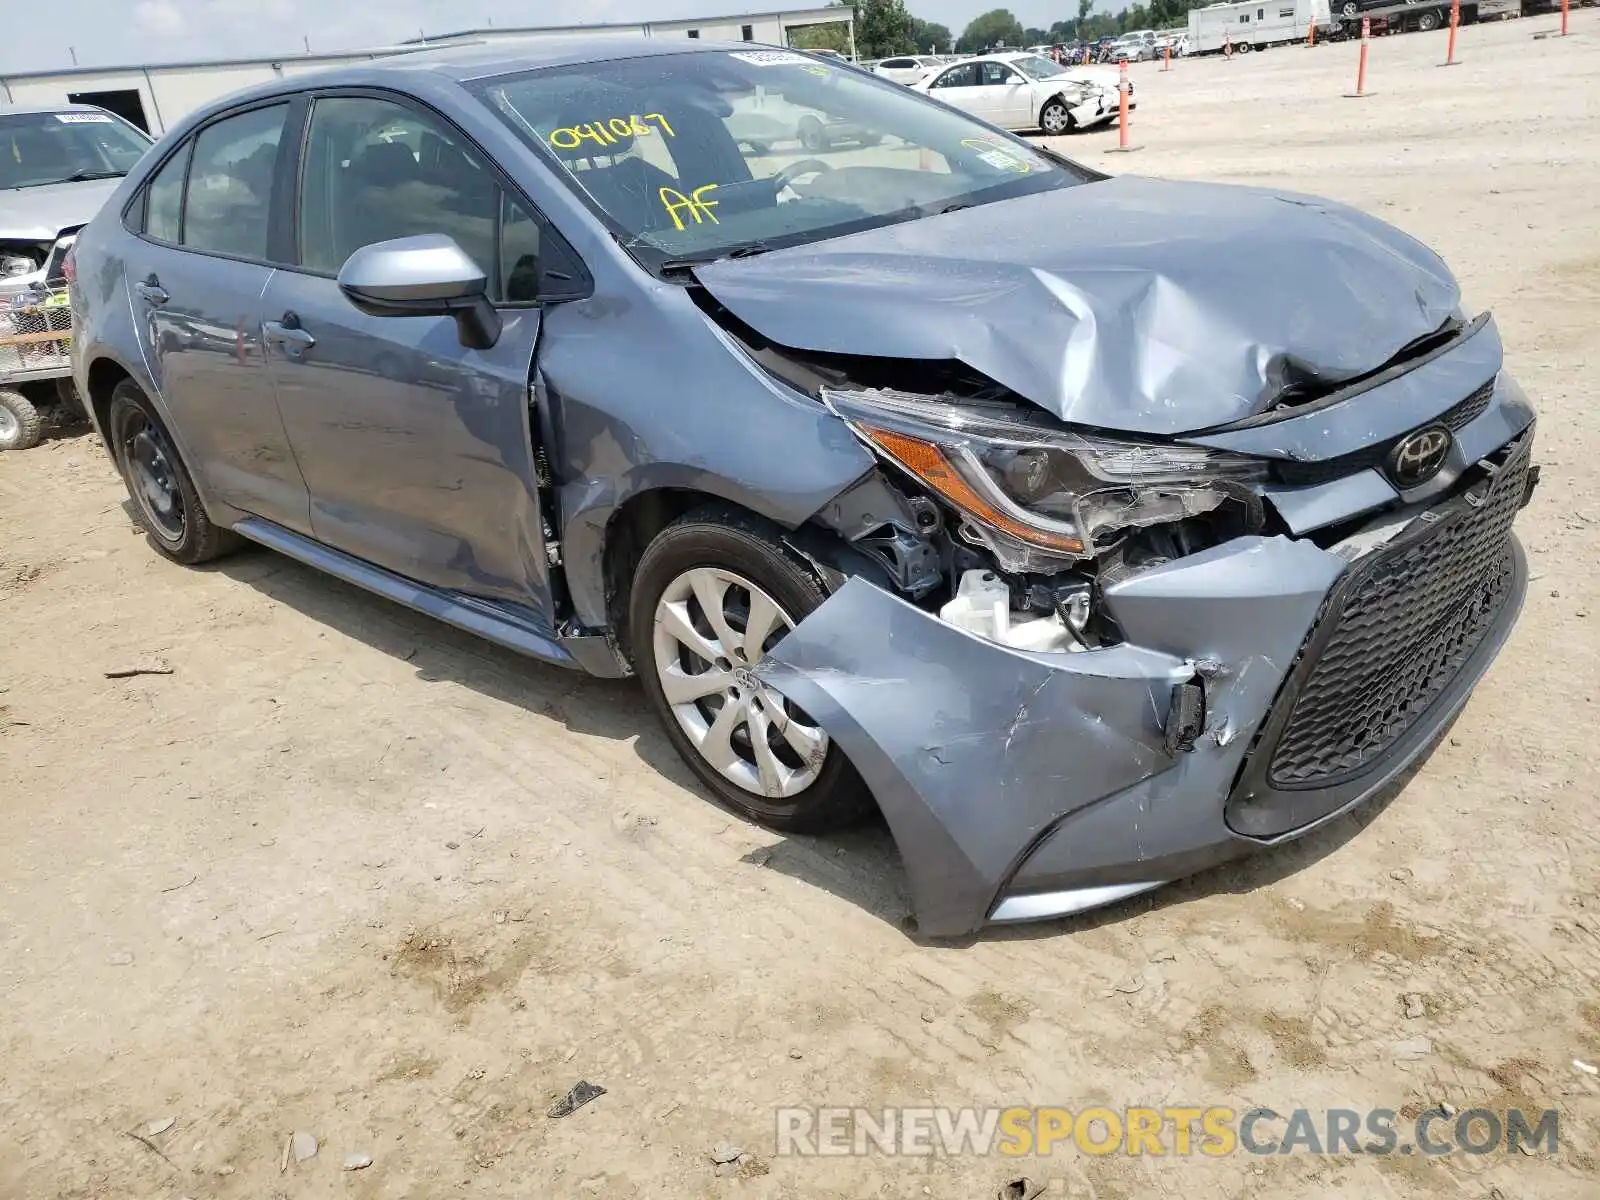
418, 453
195, 277
958, 87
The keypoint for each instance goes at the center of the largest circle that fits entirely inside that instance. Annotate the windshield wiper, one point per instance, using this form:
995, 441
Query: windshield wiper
681, 266
86, 175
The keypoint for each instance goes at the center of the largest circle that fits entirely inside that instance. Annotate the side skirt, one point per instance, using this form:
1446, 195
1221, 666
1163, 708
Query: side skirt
522, 632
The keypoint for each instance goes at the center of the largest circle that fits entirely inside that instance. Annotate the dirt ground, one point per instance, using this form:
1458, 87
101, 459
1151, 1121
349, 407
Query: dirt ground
348, 872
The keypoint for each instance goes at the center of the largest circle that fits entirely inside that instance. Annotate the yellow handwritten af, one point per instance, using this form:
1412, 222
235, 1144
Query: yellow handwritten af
695, 204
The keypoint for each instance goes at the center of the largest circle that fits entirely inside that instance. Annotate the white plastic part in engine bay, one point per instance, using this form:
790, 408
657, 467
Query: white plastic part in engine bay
982, 606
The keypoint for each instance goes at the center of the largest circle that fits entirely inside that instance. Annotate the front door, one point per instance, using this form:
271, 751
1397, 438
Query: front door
995, 92
418, 452
1015, 105
195, 280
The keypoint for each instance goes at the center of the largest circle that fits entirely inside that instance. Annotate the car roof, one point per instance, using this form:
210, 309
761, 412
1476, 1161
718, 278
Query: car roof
529, 54
28, 110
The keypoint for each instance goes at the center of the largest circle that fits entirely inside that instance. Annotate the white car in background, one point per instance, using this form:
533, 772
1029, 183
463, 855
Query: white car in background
1027, 91
908, 68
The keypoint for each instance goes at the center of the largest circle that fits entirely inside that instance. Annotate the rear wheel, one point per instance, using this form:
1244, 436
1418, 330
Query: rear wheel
164, 497
1427, 22
20, 426
713, 594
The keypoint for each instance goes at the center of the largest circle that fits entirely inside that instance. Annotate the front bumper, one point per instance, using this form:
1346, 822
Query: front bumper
1020, 786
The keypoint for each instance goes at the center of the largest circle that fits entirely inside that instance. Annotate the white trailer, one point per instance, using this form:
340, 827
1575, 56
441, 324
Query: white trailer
1255, 24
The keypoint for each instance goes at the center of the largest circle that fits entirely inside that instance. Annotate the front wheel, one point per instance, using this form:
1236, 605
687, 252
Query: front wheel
1427, 22
1055, 118
164, 496
713, 594
20, 427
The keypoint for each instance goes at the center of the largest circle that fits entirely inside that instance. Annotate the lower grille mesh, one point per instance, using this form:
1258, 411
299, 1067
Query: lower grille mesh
1406, 622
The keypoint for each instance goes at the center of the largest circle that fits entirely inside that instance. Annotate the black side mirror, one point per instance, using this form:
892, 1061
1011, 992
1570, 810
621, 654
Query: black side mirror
424, 276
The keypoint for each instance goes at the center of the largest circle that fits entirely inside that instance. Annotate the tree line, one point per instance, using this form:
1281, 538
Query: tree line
885, 28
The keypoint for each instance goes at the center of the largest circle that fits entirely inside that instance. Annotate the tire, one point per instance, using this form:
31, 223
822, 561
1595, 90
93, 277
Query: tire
721, 552
1427, 22
1055, 118
20, 427
813, 136
165, 502
1350, 10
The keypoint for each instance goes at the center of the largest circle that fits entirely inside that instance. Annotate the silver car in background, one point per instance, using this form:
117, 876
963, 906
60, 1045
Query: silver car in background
1093, 531
58, 165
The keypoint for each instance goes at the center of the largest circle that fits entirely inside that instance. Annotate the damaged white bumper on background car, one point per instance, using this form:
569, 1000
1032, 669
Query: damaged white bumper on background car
1231, 695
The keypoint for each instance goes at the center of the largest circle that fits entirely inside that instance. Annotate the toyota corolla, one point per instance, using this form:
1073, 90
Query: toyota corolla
1092, 530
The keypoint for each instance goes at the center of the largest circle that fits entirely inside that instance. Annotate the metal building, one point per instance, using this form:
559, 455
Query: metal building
154, 97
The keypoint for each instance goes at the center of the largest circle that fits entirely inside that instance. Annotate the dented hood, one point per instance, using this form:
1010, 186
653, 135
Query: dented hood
1130, 304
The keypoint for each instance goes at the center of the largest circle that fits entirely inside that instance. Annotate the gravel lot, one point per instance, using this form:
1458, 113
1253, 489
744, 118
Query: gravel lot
348, 872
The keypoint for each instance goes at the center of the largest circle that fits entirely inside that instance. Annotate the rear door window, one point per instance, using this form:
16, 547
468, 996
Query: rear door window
228, 203
163, 218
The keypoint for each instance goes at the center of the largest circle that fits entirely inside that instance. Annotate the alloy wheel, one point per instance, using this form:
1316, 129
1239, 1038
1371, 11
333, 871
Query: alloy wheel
711, 627
9, 426
1055, 118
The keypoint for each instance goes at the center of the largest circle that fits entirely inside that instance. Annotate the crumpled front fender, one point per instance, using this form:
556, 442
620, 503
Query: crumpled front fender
977, 752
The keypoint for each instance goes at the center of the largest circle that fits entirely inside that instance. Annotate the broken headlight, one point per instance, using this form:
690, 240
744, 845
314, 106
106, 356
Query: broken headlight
1032, 493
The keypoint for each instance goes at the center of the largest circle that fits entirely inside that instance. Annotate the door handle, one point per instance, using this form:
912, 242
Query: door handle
288, 334
152, 292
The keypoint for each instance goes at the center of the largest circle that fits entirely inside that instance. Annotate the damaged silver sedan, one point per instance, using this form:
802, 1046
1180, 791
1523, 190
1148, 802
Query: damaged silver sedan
1094, 531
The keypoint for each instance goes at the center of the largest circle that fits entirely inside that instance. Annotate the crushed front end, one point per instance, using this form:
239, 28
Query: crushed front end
1081, 666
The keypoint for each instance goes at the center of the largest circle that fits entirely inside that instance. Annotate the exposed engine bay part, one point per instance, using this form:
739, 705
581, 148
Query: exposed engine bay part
982, 606
892, 529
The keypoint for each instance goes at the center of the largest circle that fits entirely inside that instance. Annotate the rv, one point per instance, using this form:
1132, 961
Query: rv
1255, 24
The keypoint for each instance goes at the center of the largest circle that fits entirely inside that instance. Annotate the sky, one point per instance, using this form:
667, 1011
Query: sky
40, 37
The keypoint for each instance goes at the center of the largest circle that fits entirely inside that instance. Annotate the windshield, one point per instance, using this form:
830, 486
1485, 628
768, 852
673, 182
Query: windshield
692, 156
54, 147
1036, 66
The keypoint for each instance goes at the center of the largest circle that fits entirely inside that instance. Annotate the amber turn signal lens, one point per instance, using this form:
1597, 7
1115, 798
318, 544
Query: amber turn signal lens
928, 463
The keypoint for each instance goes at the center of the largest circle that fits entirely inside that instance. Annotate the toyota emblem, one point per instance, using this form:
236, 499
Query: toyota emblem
1418, 457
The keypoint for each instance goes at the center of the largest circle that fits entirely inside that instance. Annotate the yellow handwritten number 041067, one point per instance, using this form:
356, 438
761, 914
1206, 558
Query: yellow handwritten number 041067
612, 131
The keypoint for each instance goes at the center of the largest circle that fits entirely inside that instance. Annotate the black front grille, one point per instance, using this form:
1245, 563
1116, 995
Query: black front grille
1455, 418
1398, 628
